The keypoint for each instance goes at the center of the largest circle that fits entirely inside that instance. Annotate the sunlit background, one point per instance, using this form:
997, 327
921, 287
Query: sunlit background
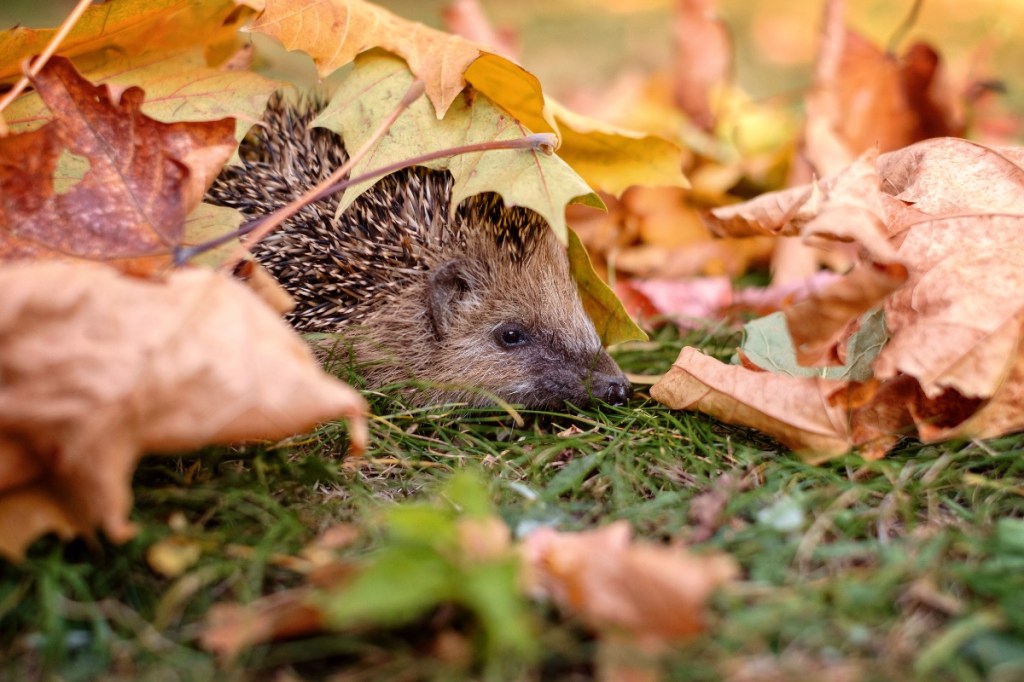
578, 46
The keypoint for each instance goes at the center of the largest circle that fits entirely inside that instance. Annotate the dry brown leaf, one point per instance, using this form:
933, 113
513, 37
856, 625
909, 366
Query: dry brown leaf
821, 323
793, 410
951, 177
864, 98
1000, 414
956, 322
846, 206
143, 177
100, 368
782, 213
333, 32
944, 221
648, 593
232, 628
703, 59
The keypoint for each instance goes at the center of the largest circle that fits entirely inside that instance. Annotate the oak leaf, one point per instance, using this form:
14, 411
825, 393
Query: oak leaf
143, 176
100, 368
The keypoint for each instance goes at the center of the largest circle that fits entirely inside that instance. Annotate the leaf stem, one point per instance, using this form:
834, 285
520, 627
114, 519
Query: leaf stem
414, 92
258, 227
904, 28
36, 65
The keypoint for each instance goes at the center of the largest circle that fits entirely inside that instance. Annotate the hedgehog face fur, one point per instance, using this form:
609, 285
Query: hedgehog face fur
474, 304
475, 337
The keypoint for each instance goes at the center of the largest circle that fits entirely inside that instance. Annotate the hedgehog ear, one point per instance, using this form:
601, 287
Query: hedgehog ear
449, 284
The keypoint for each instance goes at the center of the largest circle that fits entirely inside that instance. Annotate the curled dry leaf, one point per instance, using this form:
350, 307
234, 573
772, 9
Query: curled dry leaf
821, 323
863, 98
846, 207
935, 245
793, 410
650, 594
100, 368
143, 177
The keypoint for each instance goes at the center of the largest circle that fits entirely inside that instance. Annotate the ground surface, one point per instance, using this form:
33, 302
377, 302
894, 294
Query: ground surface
900, 569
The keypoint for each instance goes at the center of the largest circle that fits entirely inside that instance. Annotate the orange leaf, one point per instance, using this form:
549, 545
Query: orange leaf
100, 368
143, 176
648, 593
793, 410
232, 628
333, 32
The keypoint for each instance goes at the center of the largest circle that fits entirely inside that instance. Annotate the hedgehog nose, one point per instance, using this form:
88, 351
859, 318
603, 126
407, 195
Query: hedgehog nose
616, 391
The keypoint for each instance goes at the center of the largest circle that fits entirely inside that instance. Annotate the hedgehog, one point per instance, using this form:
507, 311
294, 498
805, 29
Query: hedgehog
473, 305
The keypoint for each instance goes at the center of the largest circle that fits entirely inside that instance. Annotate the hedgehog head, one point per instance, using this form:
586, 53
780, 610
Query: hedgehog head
500, 316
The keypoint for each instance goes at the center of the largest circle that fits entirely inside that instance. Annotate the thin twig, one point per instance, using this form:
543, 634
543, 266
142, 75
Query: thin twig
37, 65
540, 142
414, 92
904, 28
257, 228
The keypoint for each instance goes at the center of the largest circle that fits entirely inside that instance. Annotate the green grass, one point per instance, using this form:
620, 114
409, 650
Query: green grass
906, 568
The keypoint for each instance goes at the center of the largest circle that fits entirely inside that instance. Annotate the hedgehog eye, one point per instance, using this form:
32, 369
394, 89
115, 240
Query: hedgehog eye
511, 336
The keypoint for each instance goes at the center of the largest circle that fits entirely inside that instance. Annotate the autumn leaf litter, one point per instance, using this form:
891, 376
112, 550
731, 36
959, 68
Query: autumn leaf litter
192, 358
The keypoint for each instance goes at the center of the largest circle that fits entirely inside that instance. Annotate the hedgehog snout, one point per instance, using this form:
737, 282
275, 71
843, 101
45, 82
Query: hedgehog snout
613, 389
606, 381
618, 391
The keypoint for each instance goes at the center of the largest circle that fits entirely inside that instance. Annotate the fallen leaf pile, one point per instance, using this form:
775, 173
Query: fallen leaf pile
896, 307
914, 332
101, 367
631, 594
103, 164
933, 224
863, 97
